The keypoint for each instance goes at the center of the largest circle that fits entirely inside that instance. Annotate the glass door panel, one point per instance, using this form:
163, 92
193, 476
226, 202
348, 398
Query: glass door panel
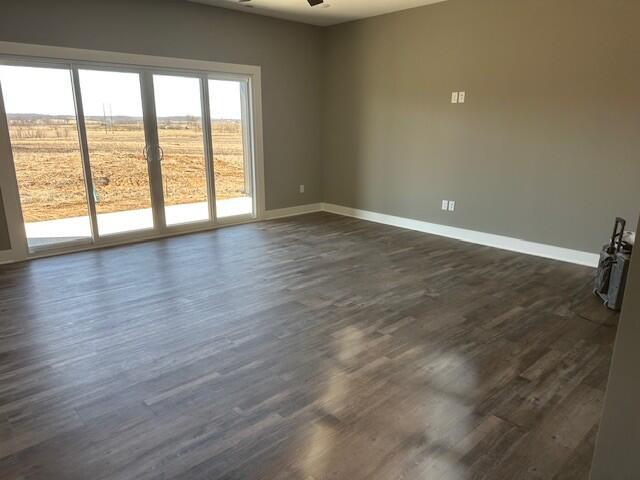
232, 165
41, 115
113, 114
180, 135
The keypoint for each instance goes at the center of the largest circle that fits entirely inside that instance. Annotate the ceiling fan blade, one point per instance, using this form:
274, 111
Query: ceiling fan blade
313, 3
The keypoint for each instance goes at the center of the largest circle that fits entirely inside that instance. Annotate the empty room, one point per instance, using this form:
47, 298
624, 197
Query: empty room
319, 239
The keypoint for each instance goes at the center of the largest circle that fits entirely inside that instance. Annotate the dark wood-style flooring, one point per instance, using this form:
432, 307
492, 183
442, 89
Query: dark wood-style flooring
316, 347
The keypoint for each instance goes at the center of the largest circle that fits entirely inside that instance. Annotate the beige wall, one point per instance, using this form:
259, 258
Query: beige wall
290, 55
617, 450
547, 147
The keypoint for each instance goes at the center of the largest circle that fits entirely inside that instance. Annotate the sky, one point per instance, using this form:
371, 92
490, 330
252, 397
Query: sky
48, 91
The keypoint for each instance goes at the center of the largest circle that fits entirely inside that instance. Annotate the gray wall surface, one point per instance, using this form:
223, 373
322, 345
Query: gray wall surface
290, 55
616, 455
546, 147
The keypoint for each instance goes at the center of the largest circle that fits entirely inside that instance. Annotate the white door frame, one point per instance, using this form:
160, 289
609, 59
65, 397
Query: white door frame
79, 57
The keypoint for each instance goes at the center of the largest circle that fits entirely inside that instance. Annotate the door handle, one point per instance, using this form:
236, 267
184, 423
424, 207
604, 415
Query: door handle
159, 150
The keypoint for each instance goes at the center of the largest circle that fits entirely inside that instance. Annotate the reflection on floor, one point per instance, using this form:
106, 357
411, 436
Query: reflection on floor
313, 347
66, 230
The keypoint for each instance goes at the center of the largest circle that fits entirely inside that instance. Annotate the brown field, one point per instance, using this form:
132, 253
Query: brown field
49, 168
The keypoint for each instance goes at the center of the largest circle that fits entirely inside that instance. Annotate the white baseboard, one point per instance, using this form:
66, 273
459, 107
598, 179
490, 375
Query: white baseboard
471, 236
481, 238
292, 211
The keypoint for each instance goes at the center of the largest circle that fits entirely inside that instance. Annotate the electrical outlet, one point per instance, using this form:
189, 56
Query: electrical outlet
454, 97
461, 97
301, 188
452, 205
445, 205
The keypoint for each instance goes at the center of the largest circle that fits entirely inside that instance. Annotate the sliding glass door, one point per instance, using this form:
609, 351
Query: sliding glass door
102, 152
113, 117
41, 117
232, 160
178, 106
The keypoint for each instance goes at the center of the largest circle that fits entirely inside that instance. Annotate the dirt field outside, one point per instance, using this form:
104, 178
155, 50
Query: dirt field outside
49, 168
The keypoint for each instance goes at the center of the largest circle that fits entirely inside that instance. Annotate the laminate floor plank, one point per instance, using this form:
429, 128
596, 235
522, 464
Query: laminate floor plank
314, 347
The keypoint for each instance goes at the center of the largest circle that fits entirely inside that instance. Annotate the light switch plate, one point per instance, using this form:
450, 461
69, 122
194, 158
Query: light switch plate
445, 204
452, 205
462, 97
301, 188
454, 97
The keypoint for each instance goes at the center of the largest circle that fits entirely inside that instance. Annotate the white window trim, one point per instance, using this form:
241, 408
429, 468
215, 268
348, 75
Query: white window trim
43, 53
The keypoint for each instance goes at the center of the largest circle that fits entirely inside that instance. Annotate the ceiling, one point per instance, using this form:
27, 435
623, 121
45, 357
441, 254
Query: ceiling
338, 11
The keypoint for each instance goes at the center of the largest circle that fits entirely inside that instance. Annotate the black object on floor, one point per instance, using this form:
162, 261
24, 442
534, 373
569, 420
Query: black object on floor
613, 267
